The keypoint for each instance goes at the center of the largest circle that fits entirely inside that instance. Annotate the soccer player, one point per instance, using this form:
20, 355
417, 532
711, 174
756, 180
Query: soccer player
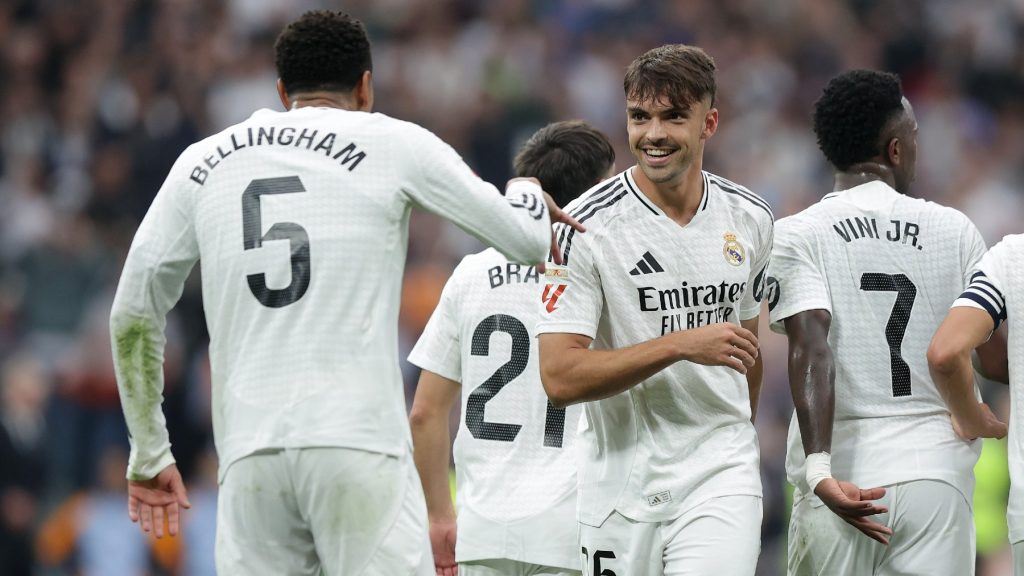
300, 221
864, 278
992, 298
514, 452
651, 321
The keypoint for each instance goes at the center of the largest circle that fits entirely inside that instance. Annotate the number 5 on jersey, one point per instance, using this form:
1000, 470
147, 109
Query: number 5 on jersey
298, 240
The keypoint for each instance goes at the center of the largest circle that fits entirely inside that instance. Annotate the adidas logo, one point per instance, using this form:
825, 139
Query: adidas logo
646, 265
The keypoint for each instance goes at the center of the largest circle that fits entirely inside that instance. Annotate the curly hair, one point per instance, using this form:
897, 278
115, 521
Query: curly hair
567, 157
683, 74
322, 50
852, 112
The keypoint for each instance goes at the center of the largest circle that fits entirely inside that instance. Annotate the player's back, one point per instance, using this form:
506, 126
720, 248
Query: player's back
301, 218
514, 452
891, 266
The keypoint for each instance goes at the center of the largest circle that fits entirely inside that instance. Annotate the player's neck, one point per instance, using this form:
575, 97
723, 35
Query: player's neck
863, 173
678, 199
323, 100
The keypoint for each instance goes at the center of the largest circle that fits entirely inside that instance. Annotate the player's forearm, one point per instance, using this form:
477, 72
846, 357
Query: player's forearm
138, 343
431, 442
950, 368
578, 374
812, 385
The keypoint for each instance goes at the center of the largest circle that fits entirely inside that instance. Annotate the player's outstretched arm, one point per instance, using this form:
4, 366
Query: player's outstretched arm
812, 384
150, 501
435, 396
571, 372
949, 361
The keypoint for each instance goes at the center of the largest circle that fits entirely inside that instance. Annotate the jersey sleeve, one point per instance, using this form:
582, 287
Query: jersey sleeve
517, 225
161, 256
572, 300
987, 288
750, 307
439, 348
800, 281
972, 249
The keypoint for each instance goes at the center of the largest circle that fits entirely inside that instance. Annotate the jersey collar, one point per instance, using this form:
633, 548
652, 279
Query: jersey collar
632, 186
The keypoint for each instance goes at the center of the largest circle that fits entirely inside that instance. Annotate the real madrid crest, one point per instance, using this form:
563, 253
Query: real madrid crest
733, 250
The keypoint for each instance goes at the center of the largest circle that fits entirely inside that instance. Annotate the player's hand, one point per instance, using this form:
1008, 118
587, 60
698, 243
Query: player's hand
722, 344
557, 216
150, 500
985, 424
442, 542
855, 506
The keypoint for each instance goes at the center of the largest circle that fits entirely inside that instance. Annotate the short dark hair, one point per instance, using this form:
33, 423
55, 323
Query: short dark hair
322, 50
567, 157
852, 113
682, 74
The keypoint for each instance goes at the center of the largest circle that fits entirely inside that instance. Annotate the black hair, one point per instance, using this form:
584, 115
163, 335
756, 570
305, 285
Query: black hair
852, 113
682, 74
322, 50
567, 157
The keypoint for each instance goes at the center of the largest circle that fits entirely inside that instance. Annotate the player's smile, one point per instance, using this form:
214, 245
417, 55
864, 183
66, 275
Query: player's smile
657, 157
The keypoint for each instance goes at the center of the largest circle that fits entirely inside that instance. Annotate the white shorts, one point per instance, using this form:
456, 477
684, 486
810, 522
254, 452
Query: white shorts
720, 536
347, 512
502, 567
1018, 558
933, 533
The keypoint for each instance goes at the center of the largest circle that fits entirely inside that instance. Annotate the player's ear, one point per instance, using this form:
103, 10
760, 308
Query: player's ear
710, 123
283, 95
894, 151
364, 92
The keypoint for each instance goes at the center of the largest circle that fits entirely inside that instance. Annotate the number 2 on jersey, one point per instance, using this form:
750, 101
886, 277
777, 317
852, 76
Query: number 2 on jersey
298, 240
896, 327
554, 421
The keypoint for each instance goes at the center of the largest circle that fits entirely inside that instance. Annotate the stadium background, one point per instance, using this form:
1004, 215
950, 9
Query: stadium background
97, 98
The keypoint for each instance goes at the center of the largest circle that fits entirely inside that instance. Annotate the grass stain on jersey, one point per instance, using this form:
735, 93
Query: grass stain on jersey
139, 367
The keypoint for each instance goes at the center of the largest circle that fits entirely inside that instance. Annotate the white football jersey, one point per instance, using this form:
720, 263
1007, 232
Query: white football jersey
997, 286
515, 460
299, 220
887, 267
683, 435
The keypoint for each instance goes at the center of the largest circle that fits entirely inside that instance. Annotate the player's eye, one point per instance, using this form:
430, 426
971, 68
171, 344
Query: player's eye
637, 116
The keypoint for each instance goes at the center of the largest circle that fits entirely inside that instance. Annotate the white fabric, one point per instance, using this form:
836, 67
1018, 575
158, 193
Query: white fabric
933, 533
854, 253
684, 435
315, 193
1003, 269
504, 567
719, 536
514, 454
1018, 558
347, 512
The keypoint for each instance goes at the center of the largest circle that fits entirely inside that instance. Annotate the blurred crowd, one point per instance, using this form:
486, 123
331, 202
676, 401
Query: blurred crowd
98, 97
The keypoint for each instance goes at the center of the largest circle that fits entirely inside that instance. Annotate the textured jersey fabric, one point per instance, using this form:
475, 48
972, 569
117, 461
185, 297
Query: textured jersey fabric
299, 220
515, 457
887, 267
684, 435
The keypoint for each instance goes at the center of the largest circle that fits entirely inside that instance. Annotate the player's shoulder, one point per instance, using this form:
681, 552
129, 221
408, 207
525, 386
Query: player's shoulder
602, 202
739, 198
1010, 244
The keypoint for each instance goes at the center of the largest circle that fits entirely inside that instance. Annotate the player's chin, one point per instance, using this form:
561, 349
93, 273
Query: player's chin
659, 174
